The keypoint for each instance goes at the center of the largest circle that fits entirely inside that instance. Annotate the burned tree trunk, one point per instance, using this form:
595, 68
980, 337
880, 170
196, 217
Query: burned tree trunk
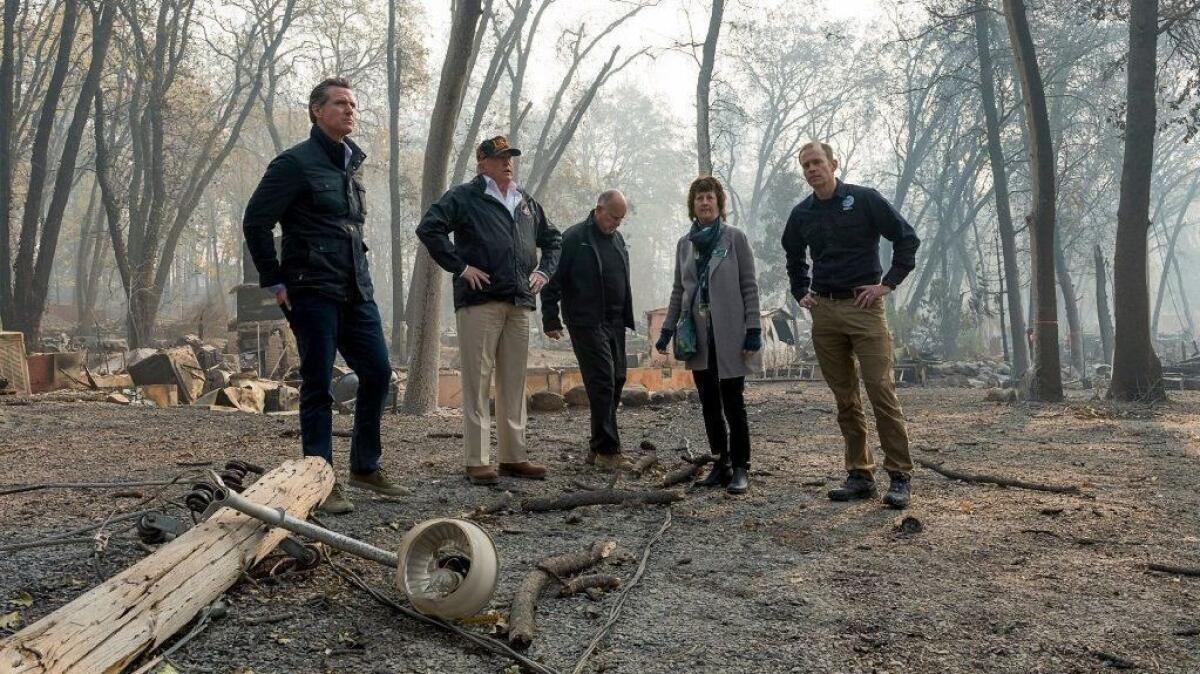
399, 335
1008, 238
1046, 383
1169, 258
1071, 308
703, 87
424, 302
1102, 312
1137, 372
7, 96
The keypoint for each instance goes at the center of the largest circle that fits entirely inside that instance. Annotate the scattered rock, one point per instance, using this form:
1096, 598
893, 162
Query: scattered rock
576, 396
910, 525
118, 398
635, 396
546, 401
1000, 395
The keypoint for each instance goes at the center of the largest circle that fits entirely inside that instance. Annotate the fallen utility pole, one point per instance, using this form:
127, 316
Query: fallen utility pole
137, 610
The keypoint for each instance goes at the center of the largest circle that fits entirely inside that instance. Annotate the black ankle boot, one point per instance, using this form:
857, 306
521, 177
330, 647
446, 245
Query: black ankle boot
740, 481
899, 493
719, 476
858, 485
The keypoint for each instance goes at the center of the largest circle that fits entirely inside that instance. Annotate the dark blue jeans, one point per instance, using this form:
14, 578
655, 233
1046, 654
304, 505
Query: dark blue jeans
323, 327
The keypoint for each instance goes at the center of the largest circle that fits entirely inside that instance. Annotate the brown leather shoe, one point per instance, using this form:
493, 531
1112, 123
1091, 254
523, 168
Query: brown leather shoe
525, 469
482, 474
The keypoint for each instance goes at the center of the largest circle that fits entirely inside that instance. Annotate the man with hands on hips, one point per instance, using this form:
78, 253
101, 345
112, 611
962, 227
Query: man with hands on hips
839, 226
497, 230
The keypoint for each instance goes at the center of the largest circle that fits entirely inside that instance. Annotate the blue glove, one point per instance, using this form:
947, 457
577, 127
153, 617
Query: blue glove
753, 339
664, 338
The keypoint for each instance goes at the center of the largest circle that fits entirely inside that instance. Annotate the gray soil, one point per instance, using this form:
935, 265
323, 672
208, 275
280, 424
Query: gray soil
778, 580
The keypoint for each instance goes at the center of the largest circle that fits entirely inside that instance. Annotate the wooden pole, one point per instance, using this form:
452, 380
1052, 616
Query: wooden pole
137, 610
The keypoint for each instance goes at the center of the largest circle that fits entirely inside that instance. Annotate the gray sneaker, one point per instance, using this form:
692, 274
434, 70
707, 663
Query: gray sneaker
336, 503
377, 482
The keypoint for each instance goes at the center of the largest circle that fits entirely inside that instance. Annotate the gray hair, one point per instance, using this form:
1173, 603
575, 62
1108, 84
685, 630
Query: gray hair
607, 196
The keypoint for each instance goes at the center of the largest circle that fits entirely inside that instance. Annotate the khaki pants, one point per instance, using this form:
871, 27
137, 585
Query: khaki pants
493, 337
841, 333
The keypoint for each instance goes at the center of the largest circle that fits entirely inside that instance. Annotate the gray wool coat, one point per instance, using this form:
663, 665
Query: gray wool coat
733, 302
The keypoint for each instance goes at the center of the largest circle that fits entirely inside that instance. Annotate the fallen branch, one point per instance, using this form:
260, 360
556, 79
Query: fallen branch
602, 581
600, 497
1002, 481
522, 621
1192, 571
685, 473
616, 609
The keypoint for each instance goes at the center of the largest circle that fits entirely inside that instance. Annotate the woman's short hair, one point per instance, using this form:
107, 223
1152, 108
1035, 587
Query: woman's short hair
705, 184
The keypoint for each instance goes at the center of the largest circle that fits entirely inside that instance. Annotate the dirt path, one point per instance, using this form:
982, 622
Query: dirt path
779, 580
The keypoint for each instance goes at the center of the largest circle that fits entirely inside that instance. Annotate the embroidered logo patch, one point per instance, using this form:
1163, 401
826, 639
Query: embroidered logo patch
848, 202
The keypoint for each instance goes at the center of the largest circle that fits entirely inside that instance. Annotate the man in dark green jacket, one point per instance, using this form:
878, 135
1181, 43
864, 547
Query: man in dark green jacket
497, 229
314, 192
592, 284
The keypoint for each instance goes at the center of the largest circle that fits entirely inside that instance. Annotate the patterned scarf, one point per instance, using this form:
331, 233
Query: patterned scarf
704, 240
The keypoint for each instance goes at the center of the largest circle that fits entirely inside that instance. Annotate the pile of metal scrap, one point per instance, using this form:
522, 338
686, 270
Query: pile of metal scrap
1183, 375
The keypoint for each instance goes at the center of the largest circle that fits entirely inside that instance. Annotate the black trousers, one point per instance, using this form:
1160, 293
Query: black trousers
723, 401
600, 351
323, 327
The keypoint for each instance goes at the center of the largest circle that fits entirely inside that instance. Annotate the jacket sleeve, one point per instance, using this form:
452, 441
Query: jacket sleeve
278, 188
552, 292
795, 248
748, 280
549, 240
442, 218
675, 306
893, 227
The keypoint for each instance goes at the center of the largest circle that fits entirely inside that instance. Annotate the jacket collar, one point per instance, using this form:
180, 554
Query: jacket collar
840, 191
336, 151
594, 234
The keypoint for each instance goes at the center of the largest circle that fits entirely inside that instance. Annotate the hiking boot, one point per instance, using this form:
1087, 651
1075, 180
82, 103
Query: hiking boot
719, 476
740, 482
482, 474
591, 458
858, 486
609, 463
336, 503
377, 482
525, 469
898, 494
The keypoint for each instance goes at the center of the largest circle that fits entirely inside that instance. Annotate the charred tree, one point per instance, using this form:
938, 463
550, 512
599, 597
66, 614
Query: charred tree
1004, 224
424, 306
1102, 312
399, 334
1046, 382
7, 98
33, 269
1137, 372
704, 87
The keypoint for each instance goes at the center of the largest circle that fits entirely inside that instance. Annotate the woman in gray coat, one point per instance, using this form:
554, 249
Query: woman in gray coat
715, 287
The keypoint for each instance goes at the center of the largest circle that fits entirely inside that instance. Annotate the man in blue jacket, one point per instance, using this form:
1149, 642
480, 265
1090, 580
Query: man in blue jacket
497, 230
314, 192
